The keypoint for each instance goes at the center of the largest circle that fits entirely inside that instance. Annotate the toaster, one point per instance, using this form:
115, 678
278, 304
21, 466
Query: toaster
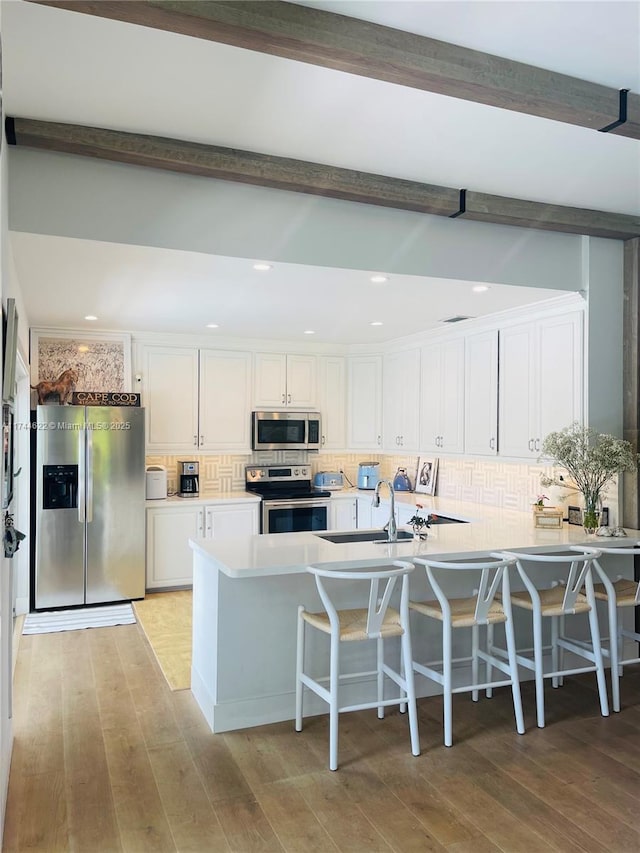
328, 480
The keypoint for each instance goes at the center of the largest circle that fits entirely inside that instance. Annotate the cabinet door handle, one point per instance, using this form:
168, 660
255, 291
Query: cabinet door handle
323, 440
492, 443
536, 445
195, 440
201, 440
209, 520
379, 439
284, 399
201, 522
530, 442
289, 398
401, 441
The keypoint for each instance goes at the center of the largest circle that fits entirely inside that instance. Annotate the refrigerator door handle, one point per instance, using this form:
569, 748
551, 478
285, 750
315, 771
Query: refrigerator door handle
82, 503
89, 434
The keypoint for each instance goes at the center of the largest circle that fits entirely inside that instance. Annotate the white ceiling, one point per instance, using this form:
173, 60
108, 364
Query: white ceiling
64, 66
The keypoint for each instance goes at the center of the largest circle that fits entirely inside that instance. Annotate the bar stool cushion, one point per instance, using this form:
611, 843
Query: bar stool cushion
550, 601
463, 611
353, 623
625, 592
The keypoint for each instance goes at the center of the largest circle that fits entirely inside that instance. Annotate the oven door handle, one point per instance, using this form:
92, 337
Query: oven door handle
301, 503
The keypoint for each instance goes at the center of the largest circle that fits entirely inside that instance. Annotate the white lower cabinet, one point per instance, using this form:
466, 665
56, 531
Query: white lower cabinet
370, 516
169, 528
343, 514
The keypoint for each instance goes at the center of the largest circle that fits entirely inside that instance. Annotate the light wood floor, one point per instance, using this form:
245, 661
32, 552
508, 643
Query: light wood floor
107, 758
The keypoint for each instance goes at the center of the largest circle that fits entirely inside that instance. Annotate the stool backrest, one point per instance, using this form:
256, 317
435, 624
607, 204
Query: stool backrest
381, 585
631, 549
575, 566
494, 578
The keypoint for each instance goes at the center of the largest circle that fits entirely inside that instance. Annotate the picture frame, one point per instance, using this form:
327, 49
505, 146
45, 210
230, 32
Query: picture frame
574, 515
102, 359
427, 474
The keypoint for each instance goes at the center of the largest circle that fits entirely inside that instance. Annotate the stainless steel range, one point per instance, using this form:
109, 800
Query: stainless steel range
289, 501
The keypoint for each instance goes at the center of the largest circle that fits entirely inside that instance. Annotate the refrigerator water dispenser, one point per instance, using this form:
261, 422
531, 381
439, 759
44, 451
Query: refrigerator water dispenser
59, 487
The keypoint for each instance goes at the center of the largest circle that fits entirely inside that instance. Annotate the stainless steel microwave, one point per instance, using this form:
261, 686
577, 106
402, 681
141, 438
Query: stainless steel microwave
285, 431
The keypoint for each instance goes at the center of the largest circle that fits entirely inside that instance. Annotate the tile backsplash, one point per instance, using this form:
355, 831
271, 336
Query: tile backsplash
513, 485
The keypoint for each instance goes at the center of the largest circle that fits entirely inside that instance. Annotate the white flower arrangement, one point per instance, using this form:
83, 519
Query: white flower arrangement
591, 459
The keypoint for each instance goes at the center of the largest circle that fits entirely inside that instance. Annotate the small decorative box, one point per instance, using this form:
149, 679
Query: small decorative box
548, 516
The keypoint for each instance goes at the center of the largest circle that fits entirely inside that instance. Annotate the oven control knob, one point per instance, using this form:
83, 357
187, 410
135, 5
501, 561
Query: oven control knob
304, 471
295, 472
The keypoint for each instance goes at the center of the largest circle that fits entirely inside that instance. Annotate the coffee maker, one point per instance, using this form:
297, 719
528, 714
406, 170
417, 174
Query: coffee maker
188, 479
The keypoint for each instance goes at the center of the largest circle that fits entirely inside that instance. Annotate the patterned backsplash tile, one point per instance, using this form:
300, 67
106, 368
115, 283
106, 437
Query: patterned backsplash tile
511, 485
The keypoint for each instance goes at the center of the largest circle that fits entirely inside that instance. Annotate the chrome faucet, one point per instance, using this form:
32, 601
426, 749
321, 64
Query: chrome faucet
390, 526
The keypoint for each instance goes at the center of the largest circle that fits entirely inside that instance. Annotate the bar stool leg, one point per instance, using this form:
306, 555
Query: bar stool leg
597, 653
510, 638
446, 684
380, 657
554, 649
334, 674
489, 691
614, 652
561, 658
299, 669
474, 661
537, 659
409, 684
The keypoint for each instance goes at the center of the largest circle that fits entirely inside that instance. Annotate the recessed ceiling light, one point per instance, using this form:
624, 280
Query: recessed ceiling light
90, 317
212, 326
309, 332
376, 323
480, 288
262, 267
379, 279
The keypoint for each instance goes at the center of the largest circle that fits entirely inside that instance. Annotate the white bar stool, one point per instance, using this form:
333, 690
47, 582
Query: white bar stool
570, 594
617, 594
482, 608
377, 621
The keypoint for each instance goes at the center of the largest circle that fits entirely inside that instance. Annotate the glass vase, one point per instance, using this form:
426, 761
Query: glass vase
591, 514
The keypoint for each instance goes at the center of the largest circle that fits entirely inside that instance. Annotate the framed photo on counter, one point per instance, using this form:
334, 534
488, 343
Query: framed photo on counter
427, 474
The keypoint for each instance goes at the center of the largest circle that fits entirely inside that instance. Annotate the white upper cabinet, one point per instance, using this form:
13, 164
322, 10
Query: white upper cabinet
481, 394
401, 401
285, 381
225, 400
196, 399
541, 380
442, 397
332, 401
364, 395
170, 397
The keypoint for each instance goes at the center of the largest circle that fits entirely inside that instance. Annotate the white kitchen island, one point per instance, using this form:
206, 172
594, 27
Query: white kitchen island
246, 591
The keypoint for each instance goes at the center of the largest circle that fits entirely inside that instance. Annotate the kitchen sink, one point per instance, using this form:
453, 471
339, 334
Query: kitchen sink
363, 536
379, 536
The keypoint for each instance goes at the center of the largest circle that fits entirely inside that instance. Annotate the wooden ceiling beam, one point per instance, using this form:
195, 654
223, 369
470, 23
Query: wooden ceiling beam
371, 50
314, 178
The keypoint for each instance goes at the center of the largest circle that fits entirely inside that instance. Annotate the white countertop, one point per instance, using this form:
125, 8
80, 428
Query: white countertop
490, 529
206, 498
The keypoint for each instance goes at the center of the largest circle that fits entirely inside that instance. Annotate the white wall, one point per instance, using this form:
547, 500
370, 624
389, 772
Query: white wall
80, 197
6, 603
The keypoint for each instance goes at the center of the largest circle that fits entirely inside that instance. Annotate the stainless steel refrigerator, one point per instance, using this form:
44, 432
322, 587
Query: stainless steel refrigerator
90, 505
